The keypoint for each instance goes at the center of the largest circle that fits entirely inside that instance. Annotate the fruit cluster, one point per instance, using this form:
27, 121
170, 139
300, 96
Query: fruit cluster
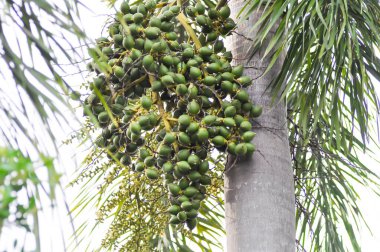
166, 96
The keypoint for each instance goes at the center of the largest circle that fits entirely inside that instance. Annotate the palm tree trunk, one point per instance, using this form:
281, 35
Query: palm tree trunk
259, 192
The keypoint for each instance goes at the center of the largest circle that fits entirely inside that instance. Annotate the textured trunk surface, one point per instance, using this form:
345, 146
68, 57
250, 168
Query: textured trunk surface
259, 192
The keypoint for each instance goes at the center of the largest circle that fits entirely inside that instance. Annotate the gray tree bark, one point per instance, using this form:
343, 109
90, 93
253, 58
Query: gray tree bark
259, 192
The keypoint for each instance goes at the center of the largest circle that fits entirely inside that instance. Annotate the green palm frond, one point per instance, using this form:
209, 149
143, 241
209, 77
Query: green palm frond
329, 72
33, 35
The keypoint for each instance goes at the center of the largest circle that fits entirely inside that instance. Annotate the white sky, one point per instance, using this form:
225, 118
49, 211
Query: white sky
93, 22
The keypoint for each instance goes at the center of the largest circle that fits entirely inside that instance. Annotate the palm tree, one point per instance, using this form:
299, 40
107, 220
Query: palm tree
259, 191
313, 65
328, 50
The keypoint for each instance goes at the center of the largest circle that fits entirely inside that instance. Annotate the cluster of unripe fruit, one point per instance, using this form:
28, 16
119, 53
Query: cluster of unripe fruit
166, 96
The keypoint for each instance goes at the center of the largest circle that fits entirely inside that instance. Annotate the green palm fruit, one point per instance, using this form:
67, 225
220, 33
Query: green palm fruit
191, 223
245, 81
167, 80
209, 80
250, 148
167, 26
200, 8
203, 167
119, 72
256, 111
138, 18
183, 155
187, 206
167, 167
155, 22
136, 128
131, 148
231, 148
229, 122
149, 161
230, 111
146, 102
214, 68
205, 52
224, 12
167, 60
202, 135
107, 51
126, 160
169, 138
183, 184
195, 73
223, 131
182, 216
128, 18
181, 89
218, 46
196, 204
140, 166
128, 42
212, 36
201, 20
183, 138
245, 126
193, 108
226, 86
118, 39
209, 120
103, 117
152, 32
164, 150
174, 209
135, 54
248, 136
228, 55
179, 78
124, 7
190, 11
175, 9
246, 107
192, 63
167, 15
157, 86
238, 71
184, 120
117, 109
174, 189
174, 220
193, 160
227, 76
182, 198
151, 173
148, 44
219, 141
147, 61
163, 70
205, 180
194, 176
143, 153
190, 191
192, 128
183, 167
142, 9
242, 95
241, 149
